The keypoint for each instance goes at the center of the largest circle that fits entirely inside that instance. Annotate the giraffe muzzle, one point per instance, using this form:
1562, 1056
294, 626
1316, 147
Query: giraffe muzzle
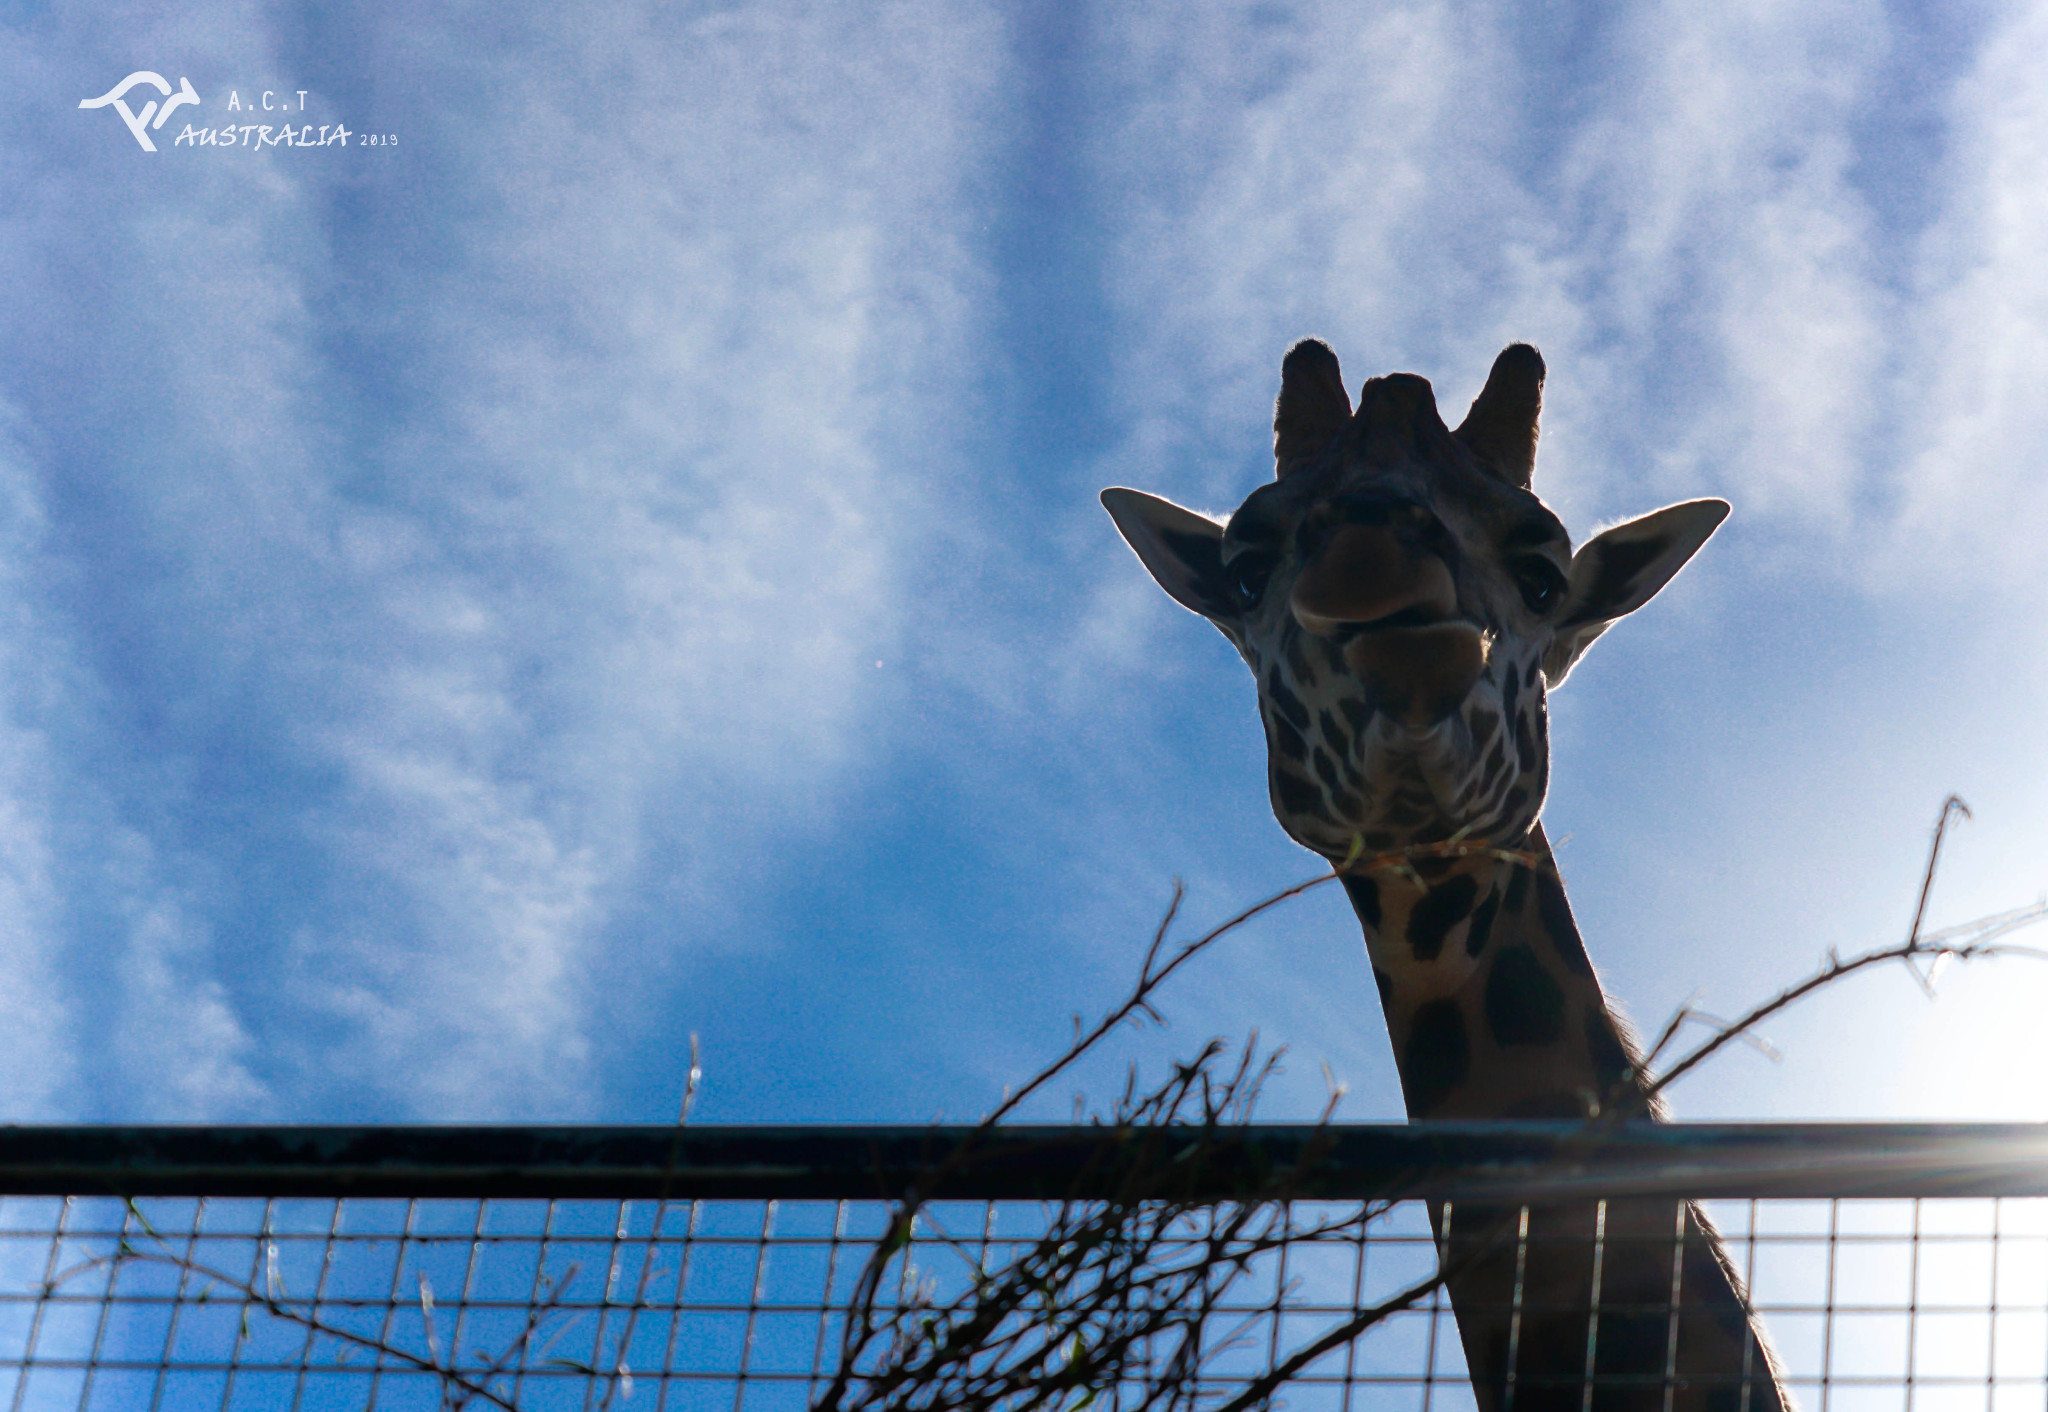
1394, 608
1367, 578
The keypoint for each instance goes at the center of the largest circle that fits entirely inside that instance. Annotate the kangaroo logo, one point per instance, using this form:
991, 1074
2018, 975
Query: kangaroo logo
138, 123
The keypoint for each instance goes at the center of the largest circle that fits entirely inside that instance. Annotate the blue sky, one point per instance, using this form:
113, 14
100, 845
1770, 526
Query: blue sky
623, 560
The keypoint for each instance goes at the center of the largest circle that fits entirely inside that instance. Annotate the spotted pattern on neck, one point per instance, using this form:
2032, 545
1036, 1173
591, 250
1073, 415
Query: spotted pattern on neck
1492, 1005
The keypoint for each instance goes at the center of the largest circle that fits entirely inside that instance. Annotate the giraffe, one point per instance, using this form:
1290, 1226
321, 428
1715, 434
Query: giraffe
1404, 602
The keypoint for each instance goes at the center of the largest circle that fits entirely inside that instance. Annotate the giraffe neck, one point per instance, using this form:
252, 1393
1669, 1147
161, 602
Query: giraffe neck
1495, 1012
1490, 999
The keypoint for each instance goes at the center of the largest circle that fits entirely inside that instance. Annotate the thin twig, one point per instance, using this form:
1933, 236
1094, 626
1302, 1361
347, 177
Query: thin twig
1266, 1384
1982, 932
1950, 806
1835, 970
280, 1310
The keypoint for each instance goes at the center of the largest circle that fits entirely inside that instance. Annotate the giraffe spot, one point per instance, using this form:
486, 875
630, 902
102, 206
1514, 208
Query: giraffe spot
1441, 908
1518, 889
1284, 700
1297, 660
1365, 899
1525, 742
1611, 1059
1348, 806
1285, 738
1385, 983
1524, 1004
1438, 1055
1326, 768
1482, 925
1296, 795
1529, 677
1333, 733
1357, 712
1495, 759
1557, 923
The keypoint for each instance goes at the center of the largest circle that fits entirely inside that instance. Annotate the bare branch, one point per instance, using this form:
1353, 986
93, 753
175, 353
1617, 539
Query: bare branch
1266, 1384
1116, 1289
469, 1385
1967, 942
1835, 970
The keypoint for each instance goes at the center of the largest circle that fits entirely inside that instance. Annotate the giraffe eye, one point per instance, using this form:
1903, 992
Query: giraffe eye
1540, 583
1248, 575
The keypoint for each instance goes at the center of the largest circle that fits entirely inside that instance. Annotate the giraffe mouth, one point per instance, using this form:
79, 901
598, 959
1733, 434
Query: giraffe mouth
1391, 608
1367, 579
1421, 672
1415, 617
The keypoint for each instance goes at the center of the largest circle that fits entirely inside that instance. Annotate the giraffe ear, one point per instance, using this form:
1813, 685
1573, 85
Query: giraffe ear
1501, 427
1313, 405
1180, 548
1618, 572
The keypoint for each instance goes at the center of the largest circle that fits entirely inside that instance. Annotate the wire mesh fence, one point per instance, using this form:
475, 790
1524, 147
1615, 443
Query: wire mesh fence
1903, 1269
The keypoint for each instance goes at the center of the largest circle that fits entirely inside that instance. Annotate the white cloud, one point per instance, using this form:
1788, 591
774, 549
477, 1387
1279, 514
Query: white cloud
39, 1073
1721, 253
180, 1047
1668, 210
38, 1029
1331, 174
148, 1013
550, 550
1973, 501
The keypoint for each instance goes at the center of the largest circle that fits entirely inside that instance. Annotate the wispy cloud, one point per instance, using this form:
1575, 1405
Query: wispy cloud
1723, 253
476, 534
1973, 501
1320, 173
39, 1077
174, 1043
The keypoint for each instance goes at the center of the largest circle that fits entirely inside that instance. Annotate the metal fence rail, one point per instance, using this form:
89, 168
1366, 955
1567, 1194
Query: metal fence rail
1897, 1266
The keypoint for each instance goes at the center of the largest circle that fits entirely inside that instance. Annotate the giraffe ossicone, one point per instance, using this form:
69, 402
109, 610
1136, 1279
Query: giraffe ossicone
1405, 602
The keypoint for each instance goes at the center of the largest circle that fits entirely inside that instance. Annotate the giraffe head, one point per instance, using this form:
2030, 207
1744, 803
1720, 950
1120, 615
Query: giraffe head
1405, 601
